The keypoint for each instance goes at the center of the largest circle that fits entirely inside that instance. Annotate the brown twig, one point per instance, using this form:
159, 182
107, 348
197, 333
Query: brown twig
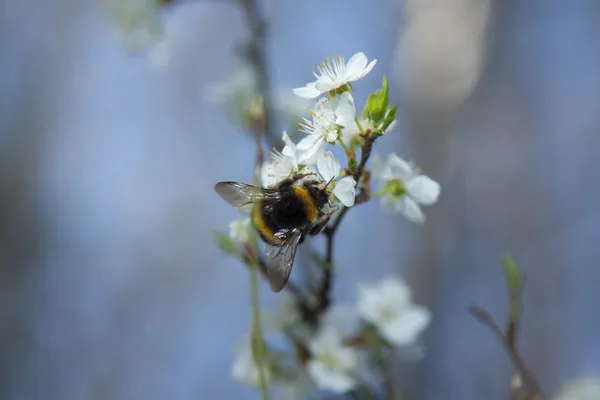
323, 292
531, 389
255, 53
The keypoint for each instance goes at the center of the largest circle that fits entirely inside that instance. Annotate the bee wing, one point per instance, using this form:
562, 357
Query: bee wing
242, 196
280, 259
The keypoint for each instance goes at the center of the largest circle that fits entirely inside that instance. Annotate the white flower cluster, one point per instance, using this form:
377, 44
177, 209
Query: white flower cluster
137, 22
333, 120
335, 356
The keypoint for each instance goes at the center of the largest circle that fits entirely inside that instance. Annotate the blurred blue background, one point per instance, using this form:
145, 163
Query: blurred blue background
110, 284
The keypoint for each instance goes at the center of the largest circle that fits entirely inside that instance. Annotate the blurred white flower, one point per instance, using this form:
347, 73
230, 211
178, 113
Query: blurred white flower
240, 89
244, 369
332, 365
389, 307
405, 187
137, 23
327, 117
335, 72
583, 388
329, 168
241, 230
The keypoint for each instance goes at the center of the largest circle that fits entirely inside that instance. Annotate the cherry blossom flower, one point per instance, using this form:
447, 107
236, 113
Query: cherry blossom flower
405, 187
388, 305
333, 365
327, 119
334, 73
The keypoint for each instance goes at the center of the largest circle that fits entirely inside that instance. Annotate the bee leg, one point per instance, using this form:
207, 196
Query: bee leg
301, 239
320, 224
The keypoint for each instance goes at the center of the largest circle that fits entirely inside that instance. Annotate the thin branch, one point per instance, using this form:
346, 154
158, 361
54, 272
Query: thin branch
534, 391
323, 293
255, 53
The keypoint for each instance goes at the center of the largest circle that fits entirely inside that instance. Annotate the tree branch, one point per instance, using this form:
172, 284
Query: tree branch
256, 55
530, 390
323, 293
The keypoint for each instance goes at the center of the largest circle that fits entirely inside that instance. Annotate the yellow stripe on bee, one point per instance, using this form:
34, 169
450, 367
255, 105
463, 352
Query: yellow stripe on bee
309, 205
260, 225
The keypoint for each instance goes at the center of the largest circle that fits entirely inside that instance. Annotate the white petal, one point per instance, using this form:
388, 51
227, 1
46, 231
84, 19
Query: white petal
327, 379
345, 191
355, 66
395, 291
407, 327
410, 209
268, 175
377, 167
287, 141
364, 72
325, 84
399, 168
329, 167
423, 189
369, 303
345, 111
349, 132
309, 149
307, 92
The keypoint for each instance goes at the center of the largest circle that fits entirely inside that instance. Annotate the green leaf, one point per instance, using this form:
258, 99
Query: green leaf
389, 117
228, 245
377, 104
383, 97
514, 277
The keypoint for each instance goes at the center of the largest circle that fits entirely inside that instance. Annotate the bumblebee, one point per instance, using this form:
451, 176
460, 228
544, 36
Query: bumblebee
282, 216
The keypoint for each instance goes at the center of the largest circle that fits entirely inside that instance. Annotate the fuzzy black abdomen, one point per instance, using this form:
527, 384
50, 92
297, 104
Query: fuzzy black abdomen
287, 214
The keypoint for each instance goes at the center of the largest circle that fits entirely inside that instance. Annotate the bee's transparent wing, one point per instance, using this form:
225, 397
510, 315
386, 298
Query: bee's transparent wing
280, 259
242, 196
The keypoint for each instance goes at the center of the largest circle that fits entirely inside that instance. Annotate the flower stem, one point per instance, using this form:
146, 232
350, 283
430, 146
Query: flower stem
358, 124
258, 345
384, 367
343, 145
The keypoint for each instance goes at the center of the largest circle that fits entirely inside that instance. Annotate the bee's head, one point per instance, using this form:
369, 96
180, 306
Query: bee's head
318, 191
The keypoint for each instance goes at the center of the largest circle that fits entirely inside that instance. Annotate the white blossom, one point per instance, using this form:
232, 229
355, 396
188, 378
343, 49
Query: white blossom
137, 23
333, 365
241, 230
245, 369
327, 118
335, 72
389, 307
240, 89
583, 388
405, 187
329, 168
